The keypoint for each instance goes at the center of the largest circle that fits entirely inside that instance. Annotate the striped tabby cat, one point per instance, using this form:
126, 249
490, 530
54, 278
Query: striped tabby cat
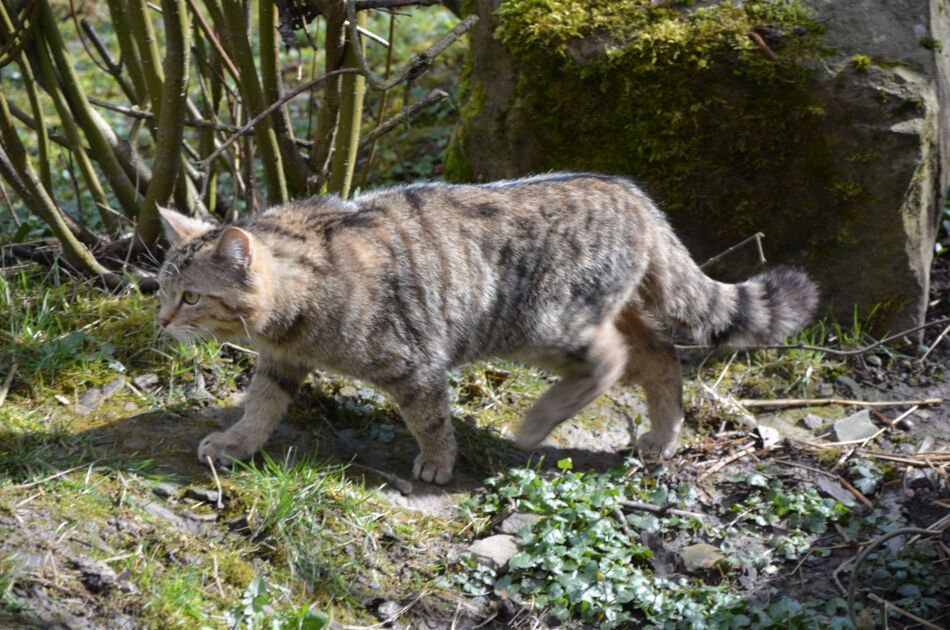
574, 273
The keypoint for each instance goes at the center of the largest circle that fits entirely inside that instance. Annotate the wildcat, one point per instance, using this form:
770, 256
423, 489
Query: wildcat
575, 273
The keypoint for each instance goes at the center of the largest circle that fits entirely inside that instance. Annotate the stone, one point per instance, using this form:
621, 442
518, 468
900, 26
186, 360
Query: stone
166, 489
146, 381
849, 187
494, 551
113, 386
769, 435
812, 421
95, 575
513, 524
700, 556
855, 427
162, 512
852, 385
89, 401
836, 491
208, 495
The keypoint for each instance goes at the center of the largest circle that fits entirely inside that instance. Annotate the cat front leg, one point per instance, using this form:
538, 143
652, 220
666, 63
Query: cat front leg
273, 386
425, 409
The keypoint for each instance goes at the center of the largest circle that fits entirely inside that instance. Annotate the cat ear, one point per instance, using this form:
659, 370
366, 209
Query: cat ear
235, 246
179, 228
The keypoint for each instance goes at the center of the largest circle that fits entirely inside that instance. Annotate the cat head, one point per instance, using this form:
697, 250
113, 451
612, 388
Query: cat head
214, 281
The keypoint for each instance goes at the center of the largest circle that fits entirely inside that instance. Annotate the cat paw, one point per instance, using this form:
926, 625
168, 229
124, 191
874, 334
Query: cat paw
530, 434
433, 469
654, 445
224, 448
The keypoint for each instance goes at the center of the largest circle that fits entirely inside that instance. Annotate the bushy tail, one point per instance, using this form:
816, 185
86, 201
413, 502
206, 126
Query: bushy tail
764, 309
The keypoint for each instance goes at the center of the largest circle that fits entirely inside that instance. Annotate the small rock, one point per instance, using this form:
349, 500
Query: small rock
166, 490
855, 427
388, 610
89, 400
96, 575
849, 383
812, 421
873, 359
156, 509
203, 494
700, 556
348, 391
836, 491
513, 524
200, 517
112, 386
494, 551
770, 436
146, 381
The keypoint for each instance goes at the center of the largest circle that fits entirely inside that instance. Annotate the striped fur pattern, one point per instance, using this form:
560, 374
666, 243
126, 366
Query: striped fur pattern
576, 273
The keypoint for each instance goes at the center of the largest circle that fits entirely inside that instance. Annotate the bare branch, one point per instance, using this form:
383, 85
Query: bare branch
407, 113
418, 64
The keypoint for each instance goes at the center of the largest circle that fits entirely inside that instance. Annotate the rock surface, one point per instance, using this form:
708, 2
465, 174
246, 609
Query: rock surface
850, 190
494, 551
855, 427
700, 556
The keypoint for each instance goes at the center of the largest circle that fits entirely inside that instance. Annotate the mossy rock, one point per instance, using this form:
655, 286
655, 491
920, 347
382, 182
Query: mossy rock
737, 118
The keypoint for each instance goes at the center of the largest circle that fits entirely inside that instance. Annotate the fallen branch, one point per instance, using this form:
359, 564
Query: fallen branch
934, 344
748, 450
823, 402
657, 509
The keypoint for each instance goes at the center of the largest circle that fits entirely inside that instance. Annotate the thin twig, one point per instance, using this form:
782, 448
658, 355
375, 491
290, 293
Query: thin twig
823, 402
431, 98
906, 613
203, 164
24, 486
219, 504
657, 509
757, 237
934, 344
417, 65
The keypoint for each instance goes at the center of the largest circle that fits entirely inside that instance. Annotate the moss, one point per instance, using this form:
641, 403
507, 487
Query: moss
931, 43
861, 63
681, 98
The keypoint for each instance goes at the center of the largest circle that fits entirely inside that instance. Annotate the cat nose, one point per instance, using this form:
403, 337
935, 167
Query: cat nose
162, 322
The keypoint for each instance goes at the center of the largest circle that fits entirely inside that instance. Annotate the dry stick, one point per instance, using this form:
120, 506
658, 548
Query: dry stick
657, 509
362, 5
417, 65
24, 486
203, 164
838, 353
857, 493
906, 613
757, 237
748, 450
218, 503
822, 402
7, 382
934, 344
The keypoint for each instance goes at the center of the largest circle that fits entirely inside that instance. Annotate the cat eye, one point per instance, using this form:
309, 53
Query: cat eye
190, 297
